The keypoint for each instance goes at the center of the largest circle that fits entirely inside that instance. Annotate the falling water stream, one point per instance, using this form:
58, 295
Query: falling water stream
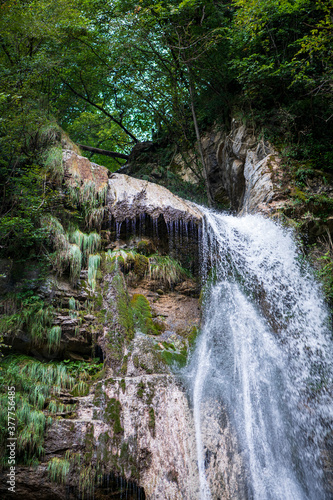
265, 352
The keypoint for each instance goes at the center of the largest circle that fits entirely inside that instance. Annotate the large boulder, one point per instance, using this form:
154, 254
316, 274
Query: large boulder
128, 198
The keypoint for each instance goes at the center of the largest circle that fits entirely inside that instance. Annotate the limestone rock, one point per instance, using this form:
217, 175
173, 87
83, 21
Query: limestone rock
80, 172
129, 197
243, 171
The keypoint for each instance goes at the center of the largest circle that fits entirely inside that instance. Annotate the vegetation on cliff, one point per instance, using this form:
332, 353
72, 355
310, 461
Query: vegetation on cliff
111, 74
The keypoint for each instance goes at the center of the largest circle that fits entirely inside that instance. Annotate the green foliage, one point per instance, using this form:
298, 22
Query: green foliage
123, 260
167, 270
66, 254
92, 129
326, 274
32, 315
87, 197
53, 163
87, 243
72, 303
75, 262
38, 386
34, 384
26, 197
83, 370
93, 265
58, 469
70, 251
282, 60
54, 337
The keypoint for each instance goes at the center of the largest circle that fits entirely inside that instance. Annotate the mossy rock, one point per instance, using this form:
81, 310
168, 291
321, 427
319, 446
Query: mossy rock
112, 415
142, 315
145, 247
141, 265
146, 358
159, 325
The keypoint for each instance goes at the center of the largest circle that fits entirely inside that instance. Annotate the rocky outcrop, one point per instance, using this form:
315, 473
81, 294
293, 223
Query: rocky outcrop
223, 460
243, 171
131, 428
128, 198
138, 428
84, 175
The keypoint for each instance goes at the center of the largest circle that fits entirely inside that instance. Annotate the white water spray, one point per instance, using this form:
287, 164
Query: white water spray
265, 352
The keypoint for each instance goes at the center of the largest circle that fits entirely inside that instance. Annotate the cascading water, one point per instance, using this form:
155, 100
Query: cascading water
265, 353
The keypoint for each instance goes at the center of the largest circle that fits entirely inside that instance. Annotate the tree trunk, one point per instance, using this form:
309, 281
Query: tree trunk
197, 133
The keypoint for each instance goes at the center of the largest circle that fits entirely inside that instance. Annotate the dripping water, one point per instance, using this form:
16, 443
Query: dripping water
265, 352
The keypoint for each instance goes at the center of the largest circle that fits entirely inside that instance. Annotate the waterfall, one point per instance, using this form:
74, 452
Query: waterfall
265, 353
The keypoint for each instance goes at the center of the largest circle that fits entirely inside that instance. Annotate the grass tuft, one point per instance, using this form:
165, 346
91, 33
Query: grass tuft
93, 265
58, 469
167, 270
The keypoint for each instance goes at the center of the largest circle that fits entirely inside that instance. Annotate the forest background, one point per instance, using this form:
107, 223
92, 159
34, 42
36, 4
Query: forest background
114, 73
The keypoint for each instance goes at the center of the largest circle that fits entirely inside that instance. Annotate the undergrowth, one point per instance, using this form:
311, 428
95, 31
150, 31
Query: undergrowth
163, 269
38, 388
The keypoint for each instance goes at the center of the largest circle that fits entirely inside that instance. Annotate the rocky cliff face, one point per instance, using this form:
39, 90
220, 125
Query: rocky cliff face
243, 172
247, 175
129, 428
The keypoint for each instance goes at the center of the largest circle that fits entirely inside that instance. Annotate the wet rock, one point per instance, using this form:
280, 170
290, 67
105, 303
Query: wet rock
129, 197
241, 168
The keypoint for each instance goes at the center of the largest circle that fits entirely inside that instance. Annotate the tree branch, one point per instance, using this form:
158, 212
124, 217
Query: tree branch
101, 109
104, 152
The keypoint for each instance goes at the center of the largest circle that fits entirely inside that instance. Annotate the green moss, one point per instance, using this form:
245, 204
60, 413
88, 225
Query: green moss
150, 393
136, 361
115, 347
172, 358
325, 274
123, 368
89, 442
142, 315
112, 415
145, 247
103, 453
159, 326
193, 337
151, 423
141, 389
124, 310
300, 194
98, 395
122, 385
141, 265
